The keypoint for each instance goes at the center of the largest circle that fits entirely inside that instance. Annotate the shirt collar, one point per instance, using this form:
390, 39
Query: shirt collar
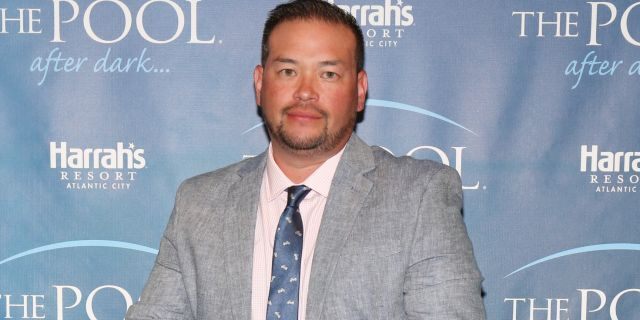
319, 181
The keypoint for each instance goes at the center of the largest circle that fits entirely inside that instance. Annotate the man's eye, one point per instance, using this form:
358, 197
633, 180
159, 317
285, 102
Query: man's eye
329, 75
287, 72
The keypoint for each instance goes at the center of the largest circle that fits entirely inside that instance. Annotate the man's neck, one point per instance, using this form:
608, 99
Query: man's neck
299, 165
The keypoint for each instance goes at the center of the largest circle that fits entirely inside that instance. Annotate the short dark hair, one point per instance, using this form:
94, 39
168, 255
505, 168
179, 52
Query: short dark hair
310, 10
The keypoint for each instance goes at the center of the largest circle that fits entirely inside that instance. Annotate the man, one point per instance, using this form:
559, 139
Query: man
320, 226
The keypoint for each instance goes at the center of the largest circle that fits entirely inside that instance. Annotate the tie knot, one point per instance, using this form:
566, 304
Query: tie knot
296, 194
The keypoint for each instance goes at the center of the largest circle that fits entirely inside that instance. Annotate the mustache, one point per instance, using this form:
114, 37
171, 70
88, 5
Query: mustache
305, 106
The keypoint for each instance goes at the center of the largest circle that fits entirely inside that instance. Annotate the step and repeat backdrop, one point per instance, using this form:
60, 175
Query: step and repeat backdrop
107, 105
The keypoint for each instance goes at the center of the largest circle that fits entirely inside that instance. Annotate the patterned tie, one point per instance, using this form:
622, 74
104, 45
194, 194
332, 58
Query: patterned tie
287, 254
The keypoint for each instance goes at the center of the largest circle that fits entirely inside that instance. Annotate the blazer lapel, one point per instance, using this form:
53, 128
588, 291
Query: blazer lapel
240, 221
348, 191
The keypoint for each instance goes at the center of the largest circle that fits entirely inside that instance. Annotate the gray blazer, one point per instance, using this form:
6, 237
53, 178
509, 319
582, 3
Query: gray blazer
392, 245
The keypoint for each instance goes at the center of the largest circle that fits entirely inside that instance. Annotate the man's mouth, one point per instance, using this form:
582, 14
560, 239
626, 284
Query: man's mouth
304, 113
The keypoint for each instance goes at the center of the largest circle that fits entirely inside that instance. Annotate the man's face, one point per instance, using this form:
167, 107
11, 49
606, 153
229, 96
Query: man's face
308, 89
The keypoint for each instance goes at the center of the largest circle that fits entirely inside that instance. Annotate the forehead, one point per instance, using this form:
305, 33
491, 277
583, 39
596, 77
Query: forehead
312, 38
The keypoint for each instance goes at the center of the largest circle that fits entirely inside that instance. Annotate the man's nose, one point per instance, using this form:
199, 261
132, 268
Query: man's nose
306, 90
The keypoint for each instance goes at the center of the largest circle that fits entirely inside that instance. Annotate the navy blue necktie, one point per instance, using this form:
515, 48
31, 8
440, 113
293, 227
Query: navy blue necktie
287, 254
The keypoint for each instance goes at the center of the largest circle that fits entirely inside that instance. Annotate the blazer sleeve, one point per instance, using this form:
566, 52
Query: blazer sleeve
164, 295
442, 281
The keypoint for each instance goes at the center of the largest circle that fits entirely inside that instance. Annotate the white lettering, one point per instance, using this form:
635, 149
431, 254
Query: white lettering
60, 299
56, 17
593, 40
584, 293
87, 21
143, 32
89, 304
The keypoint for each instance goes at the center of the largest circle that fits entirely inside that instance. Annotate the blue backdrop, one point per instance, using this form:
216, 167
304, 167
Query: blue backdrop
106, 105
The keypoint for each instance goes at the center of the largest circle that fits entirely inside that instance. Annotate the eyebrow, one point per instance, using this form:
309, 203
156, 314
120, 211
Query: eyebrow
322, 63
285, 60
331, 63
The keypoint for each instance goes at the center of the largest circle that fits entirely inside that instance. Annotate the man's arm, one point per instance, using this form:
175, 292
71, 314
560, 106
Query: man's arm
164, 296
443, 281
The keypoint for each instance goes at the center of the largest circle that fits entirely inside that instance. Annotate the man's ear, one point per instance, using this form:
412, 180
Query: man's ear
363, 86
257, 82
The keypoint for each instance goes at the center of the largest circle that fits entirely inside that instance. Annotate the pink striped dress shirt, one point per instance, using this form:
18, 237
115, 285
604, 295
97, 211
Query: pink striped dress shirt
273, 199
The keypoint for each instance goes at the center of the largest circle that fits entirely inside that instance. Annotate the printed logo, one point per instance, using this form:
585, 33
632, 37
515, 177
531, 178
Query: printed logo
582, 303
383, 24
106, 22
96, 168
69, 301
610, 171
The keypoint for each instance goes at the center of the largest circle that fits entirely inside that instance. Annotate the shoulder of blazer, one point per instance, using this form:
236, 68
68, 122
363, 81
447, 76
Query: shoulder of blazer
407, 168
214, 182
